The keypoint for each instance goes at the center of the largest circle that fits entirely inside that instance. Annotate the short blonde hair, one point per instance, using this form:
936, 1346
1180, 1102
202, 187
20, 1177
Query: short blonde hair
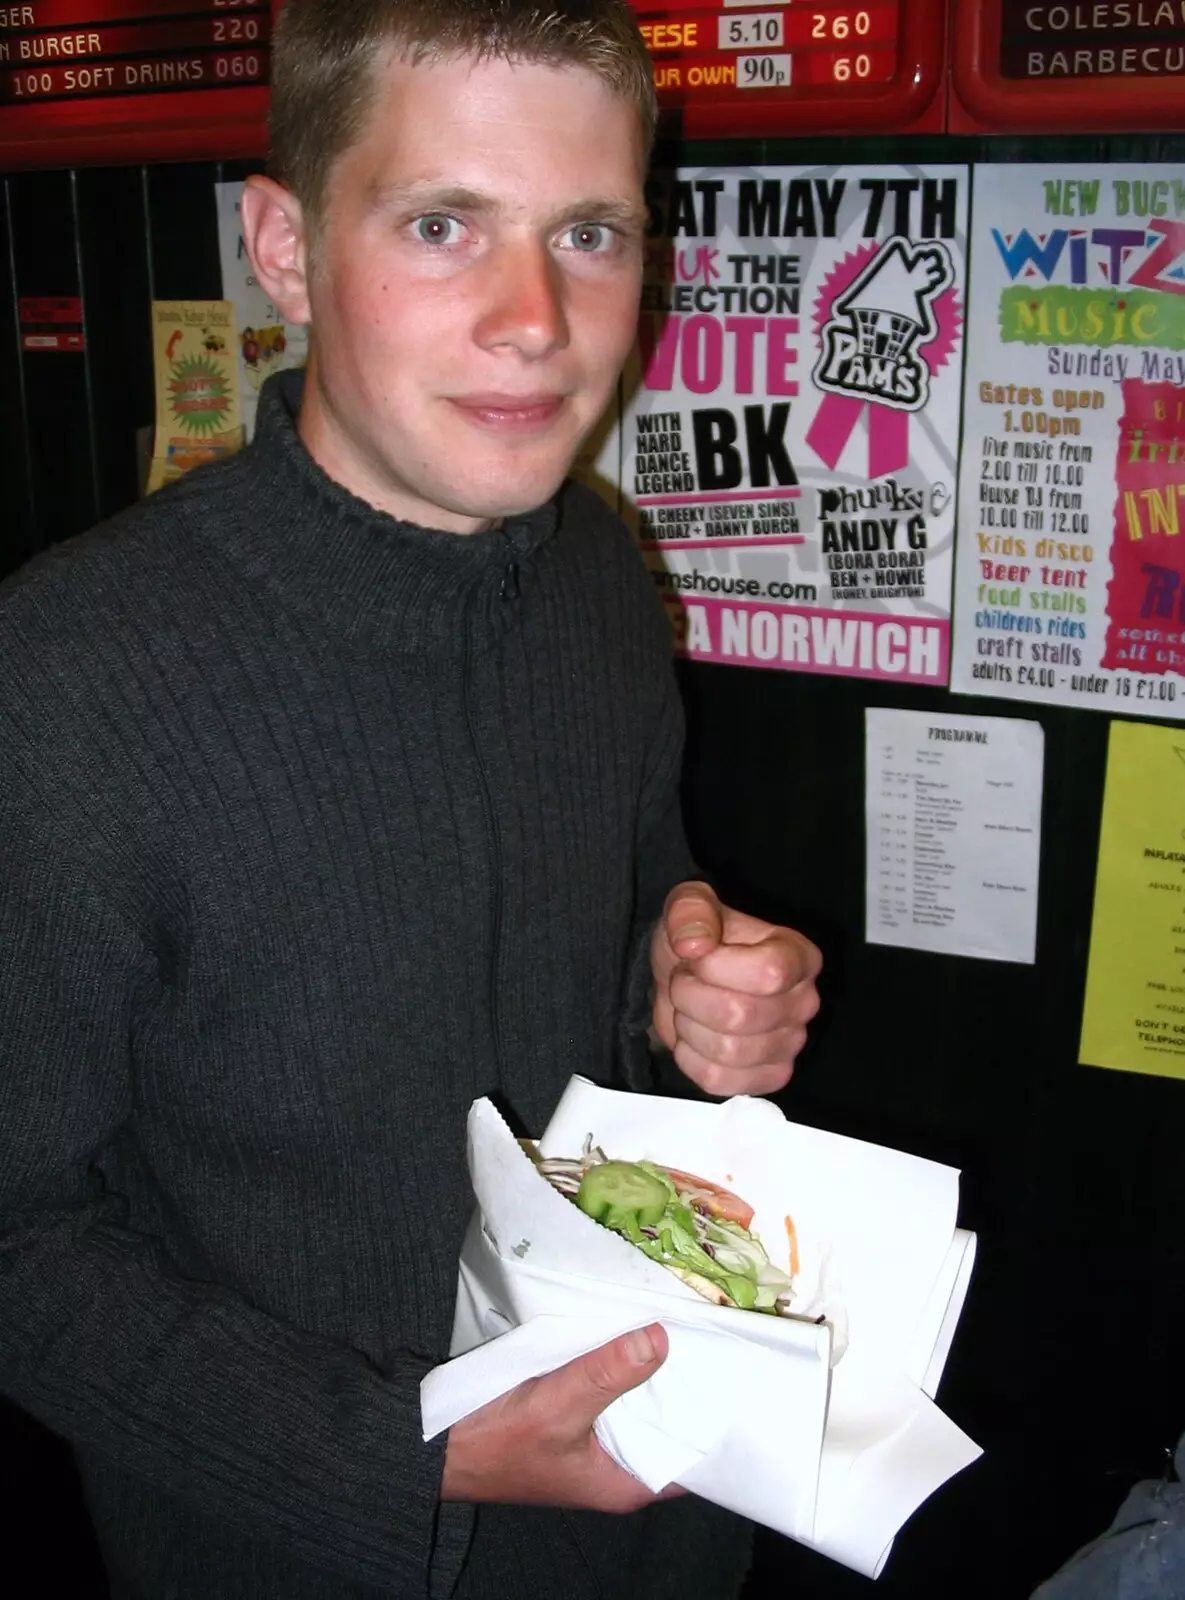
325, 52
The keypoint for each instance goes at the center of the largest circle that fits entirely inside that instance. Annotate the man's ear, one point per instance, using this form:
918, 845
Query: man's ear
275, 236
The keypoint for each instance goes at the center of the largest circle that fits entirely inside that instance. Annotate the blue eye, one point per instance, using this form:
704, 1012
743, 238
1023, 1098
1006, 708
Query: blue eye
590, 237
436, 228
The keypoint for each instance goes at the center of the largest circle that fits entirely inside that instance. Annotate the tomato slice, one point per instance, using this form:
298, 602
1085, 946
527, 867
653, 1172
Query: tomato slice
720, 1202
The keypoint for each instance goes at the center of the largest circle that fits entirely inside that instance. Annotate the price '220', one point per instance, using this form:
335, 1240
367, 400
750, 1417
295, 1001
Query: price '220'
233, 28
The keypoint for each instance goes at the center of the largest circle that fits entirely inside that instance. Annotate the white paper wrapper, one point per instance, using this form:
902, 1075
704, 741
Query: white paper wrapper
747, 1410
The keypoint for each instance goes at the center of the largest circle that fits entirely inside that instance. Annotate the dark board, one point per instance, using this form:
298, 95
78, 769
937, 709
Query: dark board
1092, 64
93, 81
840, 66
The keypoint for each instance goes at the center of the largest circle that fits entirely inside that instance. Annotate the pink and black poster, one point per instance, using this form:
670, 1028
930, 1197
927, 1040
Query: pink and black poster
788, 446
1070, 580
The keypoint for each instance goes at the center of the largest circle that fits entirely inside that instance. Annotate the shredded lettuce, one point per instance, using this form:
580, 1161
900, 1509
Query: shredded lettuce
717, 1252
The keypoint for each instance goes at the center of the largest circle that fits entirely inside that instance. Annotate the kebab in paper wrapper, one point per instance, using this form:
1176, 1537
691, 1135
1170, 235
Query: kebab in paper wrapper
696, 1229
825, 1431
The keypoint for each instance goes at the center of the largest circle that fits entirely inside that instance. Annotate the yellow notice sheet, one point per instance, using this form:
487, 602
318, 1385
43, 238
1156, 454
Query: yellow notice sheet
1134, 1017
198, 416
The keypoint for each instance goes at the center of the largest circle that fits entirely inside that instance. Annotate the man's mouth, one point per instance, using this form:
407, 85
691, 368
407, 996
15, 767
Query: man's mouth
509, 412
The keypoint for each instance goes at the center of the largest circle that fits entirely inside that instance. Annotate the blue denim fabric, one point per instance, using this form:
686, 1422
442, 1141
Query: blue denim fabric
1140, 1557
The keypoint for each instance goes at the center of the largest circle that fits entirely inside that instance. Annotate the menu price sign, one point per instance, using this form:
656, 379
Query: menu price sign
51, 322
88, 81
737, 67
1069, 66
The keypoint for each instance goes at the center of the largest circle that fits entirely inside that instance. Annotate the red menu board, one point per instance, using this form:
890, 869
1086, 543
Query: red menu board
1068, 67
97, 81
743, 67
84, 82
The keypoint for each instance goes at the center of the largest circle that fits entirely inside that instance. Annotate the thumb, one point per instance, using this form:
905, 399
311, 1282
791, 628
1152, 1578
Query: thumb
693, 919
587, 1386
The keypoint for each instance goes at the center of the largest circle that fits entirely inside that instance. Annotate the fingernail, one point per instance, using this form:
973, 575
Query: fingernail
639, 1346
694, 930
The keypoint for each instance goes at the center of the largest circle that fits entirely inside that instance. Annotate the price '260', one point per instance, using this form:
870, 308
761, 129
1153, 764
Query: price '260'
841, 26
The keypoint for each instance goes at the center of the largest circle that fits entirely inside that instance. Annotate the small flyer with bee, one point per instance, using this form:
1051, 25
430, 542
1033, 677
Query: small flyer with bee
198, 413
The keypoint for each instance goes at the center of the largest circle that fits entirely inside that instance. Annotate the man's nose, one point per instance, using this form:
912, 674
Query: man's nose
524, 307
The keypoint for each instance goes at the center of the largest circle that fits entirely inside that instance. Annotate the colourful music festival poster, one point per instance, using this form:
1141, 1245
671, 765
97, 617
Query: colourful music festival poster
1070, 578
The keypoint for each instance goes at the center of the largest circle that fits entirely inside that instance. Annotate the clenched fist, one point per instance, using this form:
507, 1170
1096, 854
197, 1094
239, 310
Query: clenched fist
732, 994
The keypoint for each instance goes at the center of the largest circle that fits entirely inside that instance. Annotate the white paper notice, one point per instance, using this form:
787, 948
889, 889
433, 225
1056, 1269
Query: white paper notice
953, 816
266, 343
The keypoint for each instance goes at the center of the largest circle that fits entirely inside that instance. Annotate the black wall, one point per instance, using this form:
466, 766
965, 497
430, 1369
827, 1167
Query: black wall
1068, 1367
118, 238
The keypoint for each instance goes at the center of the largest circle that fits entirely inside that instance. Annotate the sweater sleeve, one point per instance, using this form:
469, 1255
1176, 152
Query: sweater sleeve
292, 1438
662, 856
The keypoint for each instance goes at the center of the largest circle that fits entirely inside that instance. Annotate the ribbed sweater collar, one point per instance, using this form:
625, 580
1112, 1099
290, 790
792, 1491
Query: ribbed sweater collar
324, 551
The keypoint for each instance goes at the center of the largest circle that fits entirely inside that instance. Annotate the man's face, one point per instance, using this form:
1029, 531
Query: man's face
476, 287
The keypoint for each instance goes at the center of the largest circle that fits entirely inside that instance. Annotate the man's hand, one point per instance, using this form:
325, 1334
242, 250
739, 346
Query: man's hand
732, 994
536, 1446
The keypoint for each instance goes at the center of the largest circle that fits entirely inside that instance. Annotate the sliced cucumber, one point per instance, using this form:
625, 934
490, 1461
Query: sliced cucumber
620, 1192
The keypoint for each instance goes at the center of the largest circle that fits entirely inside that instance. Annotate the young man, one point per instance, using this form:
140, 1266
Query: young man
340, 787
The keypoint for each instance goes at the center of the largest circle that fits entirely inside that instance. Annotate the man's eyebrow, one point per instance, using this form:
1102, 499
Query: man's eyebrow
430, 196
625, 214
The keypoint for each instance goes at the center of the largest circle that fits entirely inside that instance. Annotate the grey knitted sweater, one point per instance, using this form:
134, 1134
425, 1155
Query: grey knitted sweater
313, 827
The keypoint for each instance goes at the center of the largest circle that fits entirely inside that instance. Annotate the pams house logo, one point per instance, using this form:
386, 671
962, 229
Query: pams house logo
871, 340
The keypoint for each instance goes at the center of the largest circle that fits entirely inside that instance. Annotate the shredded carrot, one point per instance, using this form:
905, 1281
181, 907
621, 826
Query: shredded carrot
793, 1238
